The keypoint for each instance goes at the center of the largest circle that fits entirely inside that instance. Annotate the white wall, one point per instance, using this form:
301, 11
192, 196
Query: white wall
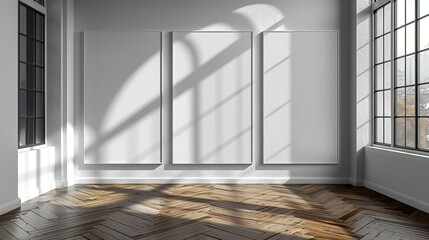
399, 175
55, 163
9, 106
360, 91
36, 171
219, 15
37, 165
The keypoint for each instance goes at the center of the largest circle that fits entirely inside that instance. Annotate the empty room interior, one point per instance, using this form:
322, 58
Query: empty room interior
214, 119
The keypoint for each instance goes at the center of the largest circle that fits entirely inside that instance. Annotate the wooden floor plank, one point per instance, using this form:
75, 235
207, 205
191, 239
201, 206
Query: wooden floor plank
5, 235
196, 212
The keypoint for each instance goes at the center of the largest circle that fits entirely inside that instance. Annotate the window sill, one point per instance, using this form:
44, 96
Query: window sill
33, 148
406, 152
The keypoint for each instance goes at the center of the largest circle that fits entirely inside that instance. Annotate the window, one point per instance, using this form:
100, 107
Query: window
382, 75
401, 50
41, 2
31, 77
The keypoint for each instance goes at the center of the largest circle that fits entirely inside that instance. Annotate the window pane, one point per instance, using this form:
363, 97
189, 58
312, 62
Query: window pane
40, 101
387, 47
379, 77
400, 42
31, 50
424, 67
424, 33
22, 103
387, 18
22, 126
411, 70
22, 75
31, 131
41, 2
400, 102
40, 131
30, 24
379, 104
411, 38
411, 10
387, 75
379, 130
39, 54
39, 79
411, 101
424, 133
400, 132
39, 27
31, 104
30, 77
22, 19
387, 103
379, 50
400, 13
379, 22
22, 48
424, 100
400, 72
423, 7
411, 133
387, 131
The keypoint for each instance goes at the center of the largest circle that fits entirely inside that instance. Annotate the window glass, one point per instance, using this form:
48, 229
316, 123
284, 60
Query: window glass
423, 8
424, 133
31, 95
424, 66
424, 33
400, 132
411, 38
400, 42
400, 13
379, 22
411, 10
387, 75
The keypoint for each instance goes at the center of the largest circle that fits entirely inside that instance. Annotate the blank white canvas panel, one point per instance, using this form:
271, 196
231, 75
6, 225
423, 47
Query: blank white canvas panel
300, 97
212, 97
122, 97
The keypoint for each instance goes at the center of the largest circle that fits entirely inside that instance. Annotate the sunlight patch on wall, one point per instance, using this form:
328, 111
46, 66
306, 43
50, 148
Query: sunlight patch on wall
262, 17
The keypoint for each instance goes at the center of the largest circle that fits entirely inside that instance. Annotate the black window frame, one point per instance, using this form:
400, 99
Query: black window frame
381, 6
41, 2
414, 116
32, 83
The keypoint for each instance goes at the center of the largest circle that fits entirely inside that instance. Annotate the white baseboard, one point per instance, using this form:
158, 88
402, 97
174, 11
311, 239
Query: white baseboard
294, 180
9, 206
414, 202
61, 184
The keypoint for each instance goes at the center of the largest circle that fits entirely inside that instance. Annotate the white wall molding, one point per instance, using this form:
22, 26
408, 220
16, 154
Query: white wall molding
244, 180
62, 184
286, 126
9, 206
414, 202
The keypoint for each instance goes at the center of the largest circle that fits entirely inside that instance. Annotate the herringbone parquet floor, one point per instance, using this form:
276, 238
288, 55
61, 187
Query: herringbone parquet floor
197, 212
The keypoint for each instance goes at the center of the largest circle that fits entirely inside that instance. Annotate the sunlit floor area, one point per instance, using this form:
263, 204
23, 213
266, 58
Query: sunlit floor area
214, 212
